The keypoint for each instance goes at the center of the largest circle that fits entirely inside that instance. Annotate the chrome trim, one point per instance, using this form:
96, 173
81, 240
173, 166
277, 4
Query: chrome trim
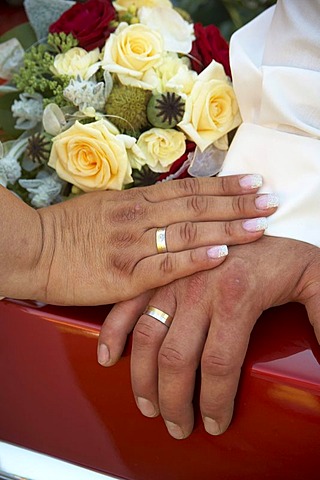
18, 463
7, 476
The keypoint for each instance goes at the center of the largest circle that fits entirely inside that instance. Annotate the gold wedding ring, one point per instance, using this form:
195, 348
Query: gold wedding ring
161, 240
159, 315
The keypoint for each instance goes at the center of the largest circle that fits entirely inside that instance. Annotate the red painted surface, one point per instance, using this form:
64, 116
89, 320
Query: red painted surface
10, 16
56, 399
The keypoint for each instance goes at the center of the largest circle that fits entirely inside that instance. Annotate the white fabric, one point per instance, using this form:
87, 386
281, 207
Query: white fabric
275, 62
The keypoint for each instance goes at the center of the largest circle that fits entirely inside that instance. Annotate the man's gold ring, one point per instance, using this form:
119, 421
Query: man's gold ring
159, 315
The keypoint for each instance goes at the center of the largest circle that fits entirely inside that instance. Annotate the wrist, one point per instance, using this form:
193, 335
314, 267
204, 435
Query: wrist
20, 248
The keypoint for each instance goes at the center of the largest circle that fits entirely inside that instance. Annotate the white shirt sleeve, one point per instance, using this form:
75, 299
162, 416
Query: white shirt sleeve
275, 62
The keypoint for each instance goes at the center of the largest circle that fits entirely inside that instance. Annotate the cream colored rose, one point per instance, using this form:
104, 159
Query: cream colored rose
91, 156
125, 4
211, 110
175, 75
77, 61
161, 147
131, 52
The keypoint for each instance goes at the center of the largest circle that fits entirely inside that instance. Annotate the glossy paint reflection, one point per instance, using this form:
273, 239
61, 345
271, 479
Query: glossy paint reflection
56, 399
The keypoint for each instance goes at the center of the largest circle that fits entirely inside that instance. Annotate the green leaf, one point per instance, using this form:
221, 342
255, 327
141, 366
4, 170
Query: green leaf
7, 122
23, 32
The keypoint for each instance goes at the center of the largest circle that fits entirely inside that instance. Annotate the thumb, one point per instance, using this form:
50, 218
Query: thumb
116, 327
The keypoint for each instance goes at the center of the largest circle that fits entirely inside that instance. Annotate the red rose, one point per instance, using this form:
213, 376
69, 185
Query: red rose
209, 45
190, 146
88, 22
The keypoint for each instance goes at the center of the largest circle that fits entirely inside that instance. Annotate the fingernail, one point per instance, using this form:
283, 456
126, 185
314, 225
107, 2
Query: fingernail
218, 251
103, 354
255, 224
267, 201
211, 426
251, 181
174, 430
146, 407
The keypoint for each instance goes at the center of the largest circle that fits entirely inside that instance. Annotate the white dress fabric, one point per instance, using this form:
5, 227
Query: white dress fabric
275, 61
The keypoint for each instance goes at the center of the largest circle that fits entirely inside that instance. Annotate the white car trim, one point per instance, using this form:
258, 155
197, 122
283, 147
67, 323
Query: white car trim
18, 463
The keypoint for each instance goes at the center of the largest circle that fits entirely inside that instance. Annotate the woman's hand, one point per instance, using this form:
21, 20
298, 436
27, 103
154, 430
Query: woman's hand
101, 247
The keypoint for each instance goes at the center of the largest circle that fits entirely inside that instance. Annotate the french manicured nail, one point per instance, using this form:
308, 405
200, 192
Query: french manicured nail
174, 430
255, 224
251, 181
211, 426
146, 407
218, 251
267, 201
103, 354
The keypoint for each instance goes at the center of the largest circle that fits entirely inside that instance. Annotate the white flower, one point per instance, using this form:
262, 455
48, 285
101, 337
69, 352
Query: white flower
177, 34
77, 61
10, 168
161, 147
28, 110
135, 155
44, 189
175, 75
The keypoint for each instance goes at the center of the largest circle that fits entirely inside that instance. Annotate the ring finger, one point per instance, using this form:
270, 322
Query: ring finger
187, 235
148, 336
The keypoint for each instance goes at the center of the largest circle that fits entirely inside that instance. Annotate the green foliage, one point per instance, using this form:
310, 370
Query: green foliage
228, 15
36, 76
61, 42
24, 33
7, 122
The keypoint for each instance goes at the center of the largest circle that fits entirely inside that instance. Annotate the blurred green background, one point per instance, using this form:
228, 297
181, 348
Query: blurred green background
228, 15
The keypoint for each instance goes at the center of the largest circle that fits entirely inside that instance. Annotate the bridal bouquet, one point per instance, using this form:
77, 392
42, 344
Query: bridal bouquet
113, 95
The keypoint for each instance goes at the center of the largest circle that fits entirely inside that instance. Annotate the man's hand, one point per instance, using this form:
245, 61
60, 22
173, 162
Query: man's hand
214, 313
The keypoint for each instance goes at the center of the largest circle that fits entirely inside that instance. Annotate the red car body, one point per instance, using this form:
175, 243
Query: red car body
56, 399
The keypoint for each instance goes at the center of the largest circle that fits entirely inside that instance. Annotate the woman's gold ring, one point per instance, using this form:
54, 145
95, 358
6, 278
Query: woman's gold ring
161, 242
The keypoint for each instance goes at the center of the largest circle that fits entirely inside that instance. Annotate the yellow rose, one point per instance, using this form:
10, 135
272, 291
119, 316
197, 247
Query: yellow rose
211, 110
76, 61
142, 3
161, 147
131, 51
91, 157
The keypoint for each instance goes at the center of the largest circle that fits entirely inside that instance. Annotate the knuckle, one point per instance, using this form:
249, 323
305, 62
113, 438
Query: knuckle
239, 204
172, 359
189, 186
130, 212
229, 230
122, 264
188, 232
123, 238
218, 366
236, 285
197, 204
194, 257
143, 334
167, 264
224, 185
